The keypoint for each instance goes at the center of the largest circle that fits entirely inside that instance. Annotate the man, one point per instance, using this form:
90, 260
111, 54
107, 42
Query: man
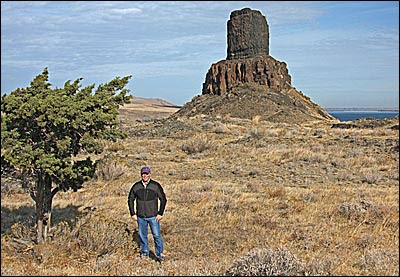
146, 193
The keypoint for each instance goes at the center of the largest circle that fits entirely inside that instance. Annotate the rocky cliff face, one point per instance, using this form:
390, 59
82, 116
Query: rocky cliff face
227, 74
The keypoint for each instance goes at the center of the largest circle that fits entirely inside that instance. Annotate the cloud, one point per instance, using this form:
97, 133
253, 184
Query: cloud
320, 41
285, 12
125, 11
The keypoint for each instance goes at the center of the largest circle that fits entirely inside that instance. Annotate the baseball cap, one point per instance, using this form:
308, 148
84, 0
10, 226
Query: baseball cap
145, 170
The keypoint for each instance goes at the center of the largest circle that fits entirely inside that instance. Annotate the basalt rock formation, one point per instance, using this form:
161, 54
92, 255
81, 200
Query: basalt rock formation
248, 34
228, 74
250, 82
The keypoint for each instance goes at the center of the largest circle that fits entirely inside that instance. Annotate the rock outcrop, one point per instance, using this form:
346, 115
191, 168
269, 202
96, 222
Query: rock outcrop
248, 34
250, 82
227, 74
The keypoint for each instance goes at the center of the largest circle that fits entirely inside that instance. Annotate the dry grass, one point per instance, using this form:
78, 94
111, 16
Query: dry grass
253, 197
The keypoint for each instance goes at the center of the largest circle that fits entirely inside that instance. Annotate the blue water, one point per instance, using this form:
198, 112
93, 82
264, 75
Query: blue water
354, 115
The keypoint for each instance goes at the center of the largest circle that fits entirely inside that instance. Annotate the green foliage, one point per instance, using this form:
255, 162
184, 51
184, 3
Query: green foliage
43, 128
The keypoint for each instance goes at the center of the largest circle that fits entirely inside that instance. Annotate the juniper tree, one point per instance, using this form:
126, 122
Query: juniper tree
45, 133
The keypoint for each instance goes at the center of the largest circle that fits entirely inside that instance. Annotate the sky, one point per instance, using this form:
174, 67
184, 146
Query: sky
339, 53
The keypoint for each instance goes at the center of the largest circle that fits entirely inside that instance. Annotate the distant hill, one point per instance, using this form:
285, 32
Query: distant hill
150, 102
144, 109
362, 109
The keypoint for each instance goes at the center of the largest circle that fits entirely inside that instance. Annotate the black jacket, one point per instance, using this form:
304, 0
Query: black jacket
146, 199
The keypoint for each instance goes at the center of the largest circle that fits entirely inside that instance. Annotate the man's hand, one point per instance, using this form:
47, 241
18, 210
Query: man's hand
158, 218
134, 218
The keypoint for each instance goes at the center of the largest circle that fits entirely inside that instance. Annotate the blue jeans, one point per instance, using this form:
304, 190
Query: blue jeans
143, 233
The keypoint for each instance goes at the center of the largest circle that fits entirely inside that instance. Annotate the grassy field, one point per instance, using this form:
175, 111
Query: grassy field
244, 197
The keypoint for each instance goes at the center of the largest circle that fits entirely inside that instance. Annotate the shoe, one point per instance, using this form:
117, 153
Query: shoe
160, 258
144, 256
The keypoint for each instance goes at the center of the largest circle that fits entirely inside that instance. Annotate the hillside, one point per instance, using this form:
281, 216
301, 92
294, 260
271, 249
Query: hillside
244, 196
250, 100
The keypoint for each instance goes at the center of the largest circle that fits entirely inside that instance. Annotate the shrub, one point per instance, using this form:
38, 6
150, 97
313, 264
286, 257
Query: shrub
109, 169
276, 192
267, 262
221, 129
380, 262
256, 133
188, 195
197, 144
101, 235
370, 177
271, 133
309, 156
253, 187
22, 231
116, 146
354, 210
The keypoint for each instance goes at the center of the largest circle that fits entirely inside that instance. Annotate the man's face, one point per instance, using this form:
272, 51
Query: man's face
146, 176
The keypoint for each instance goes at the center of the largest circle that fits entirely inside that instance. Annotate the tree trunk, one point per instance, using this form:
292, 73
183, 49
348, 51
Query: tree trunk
44, 199
47, 206
39, 199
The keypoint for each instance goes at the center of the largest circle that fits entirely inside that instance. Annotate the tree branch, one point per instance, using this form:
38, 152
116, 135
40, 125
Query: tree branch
54, 191
32, 194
